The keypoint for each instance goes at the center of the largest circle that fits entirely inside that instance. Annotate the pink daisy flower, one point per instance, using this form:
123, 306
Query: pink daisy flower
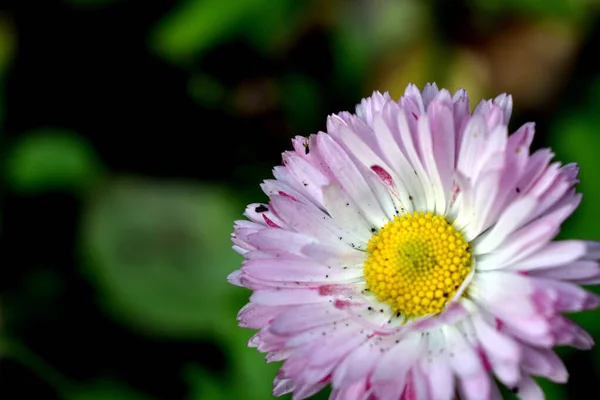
407, 253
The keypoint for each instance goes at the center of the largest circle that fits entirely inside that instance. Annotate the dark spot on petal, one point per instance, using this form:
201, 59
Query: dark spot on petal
410, 197
260, 209
514, 390
385, 177
369, 308
373, 230
347, 204
518, 190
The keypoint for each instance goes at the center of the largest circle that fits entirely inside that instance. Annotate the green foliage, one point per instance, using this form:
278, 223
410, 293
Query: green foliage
160, 253
194, 26
563, 8
574, 138
51, 159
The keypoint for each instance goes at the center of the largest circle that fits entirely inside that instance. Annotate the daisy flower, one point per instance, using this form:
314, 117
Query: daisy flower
407, 253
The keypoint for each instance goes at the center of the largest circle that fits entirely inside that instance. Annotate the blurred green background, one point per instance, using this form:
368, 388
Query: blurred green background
133, 133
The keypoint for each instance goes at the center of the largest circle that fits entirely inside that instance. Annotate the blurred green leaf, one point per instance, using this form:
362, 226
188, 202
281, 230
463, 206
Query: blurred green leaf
51, 159
553, 391
574, 138
203, 386
105, 390
159, 254
195, 25
270, 23
563, 8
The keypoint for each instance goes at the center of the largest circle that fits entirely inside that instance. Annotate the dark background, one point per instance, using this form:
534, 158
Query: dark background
133, 133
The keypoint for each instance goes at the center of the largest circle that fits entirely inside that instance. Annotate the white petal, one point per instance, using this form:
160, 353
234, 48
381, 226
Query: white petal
510, 220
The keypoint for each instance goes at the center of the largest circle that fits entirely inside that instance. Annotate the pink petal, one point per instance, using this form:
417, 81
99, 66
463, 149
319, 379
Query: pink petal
345, 213
305, 317
290, 270
554, 253
286, 297
441, 119
430, 92
528, 389
544, 362
350, 179
357, 366
510, 220
307, 178
441, 380
389, 378
503, 352
255, 316
461, 116
415, 159
578, 271
311, 221
371, 106
505, 102
355, 391
568, 333
473, 145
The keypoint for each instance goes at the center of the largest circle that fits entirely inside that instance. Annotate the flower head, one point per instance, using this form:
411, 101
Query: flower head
407, 253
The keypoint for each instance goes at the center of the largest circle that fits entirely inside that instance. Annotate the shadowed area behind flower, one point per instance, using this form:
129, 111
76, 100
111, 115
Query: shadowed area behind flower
134, 134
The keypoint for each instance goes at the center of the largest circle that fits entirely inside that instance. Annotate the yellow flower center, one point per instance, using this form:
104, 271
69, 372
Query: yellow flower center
416, 264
